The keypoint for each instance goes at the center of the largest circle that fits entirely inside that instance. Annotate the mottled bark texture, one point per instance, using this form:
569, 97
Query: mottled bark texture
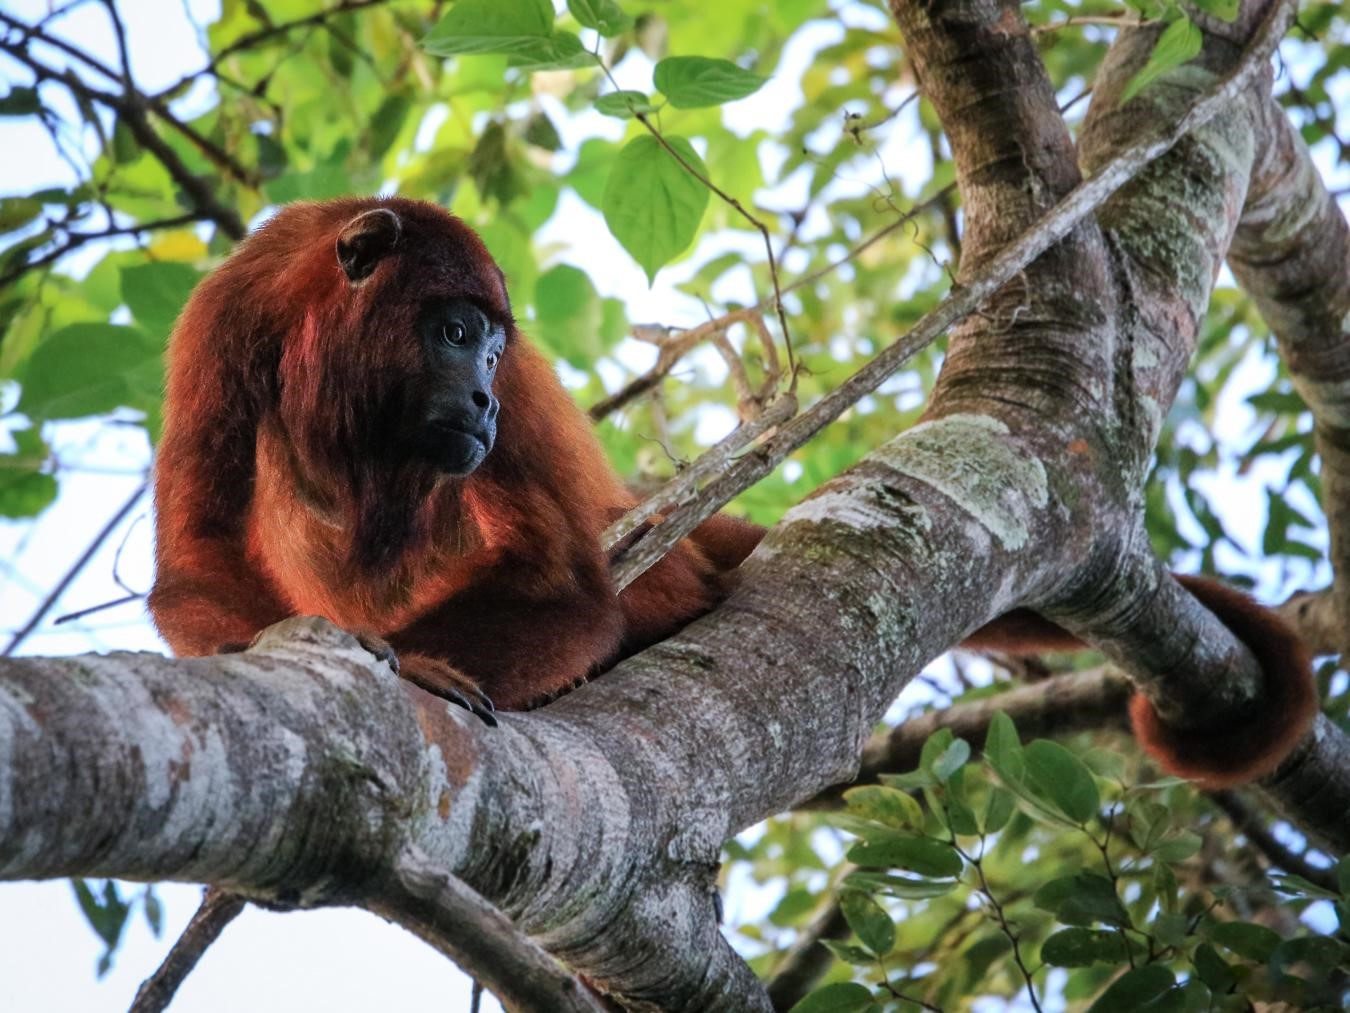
1292, 254
301, 772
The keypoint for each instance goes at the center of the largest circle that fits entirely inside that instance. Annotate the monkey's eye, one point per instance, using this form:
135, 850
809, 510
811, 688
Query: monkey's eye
492, 359
454, 334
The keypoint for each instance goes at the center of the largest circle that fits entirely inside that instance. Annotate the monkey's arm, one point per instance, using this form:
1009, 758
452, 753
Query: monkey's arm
206, 595
206, 598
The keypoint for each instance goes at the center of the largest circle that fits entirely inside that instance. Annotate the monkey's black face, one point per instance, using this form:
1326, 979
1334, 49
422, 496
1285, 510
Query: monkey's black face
458, 415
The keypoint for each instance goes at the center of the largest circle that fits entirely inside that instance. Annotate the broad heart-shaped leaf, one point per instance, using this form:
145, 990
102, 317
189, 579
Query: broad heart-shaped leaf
691, 82
490, 26
652, 203
1063, 779
924, 855
624, 104
87, 369
841, 997
155, 293
868, 920
559, 51
602, 15
1179, 42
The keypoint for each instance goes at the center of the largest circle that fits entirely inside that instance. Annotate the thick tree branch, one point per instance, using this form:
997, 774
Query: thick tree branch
1292, 254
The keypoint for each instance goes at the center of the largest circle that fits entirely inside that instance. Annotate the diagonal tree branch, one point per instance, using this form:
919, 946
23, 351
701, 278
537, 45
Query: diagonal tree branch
1292, 254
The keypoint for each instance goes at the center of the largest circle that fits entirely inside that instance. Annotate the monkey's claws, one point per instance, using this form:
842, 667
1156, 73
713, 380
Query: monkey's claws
448, 683
379, 647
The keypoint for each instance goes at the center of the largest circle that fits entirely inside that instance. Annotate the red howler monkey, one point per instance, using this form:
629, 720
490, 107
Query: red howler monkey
333, 445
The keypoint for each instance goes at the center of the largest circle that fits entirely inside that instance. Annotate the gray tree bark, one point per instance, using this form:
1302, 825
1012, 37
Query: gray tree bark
302, 772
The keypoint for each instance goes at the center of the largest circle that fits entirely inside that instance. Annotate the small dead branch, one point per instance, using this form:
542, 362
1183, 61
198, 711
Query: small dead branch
217, 910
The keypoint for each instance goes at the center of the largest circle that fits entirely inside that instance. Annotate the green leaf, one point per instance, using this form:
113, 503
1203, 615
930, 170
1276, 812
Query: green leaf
490, 26
1148, 822
1170, 928
559, 51
604, 16
849, 953
624, 104
87, 369
21, 101
1179, 42
692, 82
1063, 779
923, 855
24, 491
890, 806
1178, 848
540, 131
16, 212
1143, 988
1226, 10
952, 759
1078, 947
903, 887
155, 293
998, 809
1320, 954
1214, 971
652, 204
1082, 899
569, 314
107, 915
1343, 876
1003, 748
841, 997
154, 911
1246, 939
868, 920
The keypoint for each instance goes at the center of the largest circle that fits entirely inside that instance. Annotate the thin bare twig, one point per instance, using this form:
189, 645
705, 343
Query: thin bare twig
133, 116
74, 240
1106, 20
131, 98
963, 300
218, 909
670, 351
672, 354
54, 595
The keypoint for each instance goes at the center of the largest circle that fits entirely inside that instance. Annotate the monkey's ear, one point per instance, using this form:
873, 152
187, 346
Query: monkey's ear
366, 240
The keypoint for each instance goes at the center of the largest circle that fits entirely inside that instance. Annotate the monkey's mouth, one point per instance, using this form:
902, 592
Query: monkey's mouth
454, 450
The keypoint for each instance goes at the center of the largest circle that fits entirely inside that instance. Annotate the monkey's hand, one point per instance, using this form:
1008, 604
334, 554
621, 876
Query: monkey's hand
434, 676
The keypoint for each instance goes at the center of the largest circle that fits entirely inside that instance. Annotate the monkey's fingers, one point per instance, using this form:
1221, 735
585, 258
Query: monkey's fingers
379, 647
448, 683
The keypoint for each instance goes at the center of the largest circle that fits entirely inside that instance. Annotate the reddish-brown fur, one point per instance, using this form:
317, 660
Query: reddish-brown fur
283, 488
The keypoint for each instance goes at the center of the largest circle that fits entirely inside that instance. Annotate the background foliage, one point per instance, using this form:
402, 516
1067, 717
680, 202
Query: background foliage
610, 145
